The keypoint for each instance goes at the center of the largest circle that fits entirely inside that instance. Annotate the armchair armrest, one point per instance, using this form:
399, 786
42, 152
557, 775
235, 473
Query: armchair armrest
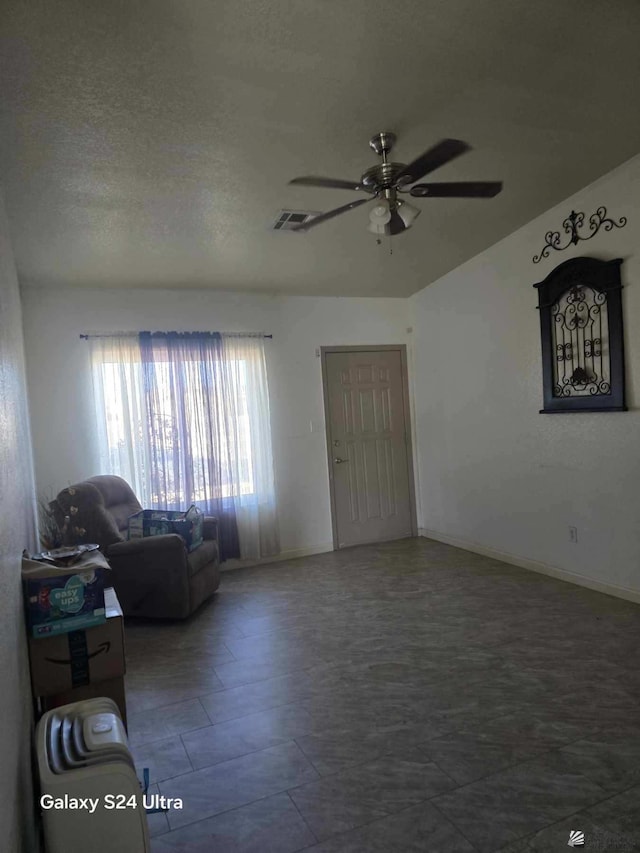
210, 527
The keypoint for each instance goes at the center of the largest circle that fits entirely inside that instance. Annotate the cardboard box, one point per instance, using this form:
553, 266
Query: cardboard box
79, 658
158, 522
112, 689
64, 598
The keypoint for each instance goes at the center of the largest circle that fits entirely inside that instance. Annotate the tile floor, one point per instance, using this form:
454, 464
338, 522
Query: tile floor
401, 697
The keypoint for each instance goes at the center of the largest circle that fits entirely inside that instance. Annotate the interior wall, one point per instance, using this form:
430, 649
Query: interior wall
60, 384
17, 531
495, 475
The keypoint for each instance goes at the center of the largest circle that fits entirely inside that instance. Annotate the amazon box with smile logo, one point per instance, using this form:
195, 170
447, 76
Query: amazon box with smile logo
81, 657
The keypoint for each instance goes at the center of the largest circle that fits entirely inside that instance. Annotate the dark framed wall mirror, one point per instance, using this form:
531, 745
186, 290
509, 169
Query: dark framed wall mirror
580, 305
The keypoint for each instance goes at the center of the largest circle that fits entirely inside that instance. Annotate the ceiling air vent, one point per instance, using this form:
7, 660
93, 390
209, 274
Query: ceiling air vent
289, 219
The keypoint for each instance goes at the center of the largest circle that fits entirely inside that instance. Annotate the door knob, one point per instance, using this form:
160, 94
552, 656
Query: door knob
337, 460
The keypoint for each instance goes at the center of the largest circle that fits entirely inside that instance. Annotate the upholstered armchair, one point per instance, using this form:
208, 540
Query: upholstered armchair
154, 576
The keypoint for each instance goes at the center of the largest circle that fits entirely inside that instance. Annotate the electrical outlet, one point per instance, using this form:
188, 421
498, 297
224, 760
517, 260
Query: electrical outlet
573, 534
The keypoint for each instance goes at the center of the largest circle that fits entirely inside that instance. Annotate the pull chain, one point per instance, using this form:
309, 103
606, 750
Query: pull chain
379, 242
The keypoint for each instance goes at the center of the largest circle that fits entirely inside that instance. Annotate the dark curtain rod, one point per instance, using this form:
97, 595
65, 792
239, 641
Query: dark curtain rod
135, 335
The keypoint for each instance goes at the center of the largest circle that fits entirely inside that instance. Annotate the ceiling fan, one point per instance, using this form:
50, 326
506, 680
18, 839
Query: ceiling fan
384, 183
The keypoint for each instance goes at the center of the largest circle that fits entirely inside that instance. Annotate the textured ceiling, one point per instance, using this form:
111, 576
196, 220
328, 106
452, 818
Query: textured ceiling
150, 144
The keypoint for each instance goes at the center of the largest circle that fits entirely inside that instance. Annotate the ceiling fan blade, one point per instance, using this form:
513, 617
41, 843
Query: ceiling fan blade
457, 189
438, 155
329, 183
323, 217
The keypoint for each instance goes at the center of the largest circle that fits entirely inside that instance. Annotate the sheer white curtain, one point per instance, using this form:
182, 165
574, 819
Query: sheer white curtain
246, 373
184, 418
121, 413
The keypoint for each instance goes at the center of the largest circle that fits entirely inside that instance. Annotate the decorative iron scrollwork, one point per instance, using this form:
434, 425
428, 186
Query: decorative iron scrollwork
571, 224
582, 344
578, 317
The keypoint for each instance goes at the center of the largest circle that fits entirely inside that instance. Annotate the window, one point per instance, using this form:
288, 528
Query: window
184, 418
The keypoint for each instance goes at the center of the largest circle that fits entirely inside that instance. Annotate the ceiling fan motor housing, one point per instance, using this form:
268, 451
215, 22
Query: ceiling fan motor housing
381, 176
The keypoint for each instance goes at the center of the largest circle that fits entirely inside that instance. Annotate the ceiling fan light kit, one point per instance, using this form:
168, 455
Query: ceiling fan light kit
380, 214
408, 212
391, 215
391, 218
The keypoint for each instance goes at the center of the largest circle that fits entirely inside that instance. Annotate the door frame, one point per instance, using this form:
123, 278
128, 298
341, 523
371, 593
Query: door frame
402, 349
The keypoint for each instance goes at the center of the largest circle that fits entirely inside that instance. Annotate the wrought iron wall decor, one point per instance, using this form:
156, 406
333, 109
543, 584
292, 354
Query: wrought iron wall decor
580, 304
571, 224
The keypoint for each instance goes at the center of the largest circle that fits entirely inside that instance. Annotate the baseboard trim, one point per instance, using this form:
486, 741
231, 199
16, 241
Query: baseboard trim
291, 554
533, 565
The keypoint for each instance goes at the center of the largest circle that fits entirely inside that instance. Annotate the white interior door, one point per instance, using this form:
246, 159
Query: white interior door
368, 442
